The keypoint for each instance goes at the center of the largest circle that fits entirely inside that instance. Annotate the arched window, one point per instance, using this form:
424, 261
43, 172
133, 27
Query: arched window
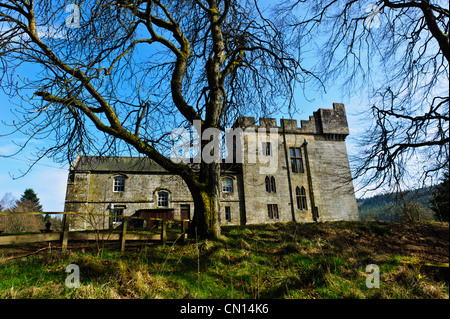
270, 185
301, 198
227, 185
163, 199
273, 187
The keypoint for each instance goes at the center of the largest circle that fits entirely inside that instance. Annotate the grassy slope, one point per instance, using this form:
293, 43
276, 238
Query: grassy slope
321, 260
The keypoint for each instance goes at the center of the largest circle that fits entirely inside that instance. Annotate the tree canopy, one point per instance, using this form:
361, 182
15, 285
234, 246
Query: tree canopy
118, 76
398, 52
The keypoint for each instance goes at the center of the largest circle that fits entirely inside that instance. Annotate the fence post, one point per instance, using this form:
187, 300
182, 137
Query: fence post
65, 231
183, 230
124, 232
164, 231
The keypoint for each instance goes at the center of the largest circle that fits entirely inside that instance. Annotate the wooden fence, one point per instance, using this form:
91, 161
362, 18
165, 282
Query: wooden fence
120, 235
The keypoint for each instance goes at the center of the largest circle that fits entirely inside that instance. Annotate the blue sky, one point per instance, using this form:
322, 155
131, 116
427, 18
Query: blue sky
46, 178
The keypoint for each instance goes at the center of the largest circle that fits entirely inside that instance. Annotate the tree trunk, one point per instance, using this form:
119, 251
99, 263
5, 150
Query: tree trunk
205, 223
203, 186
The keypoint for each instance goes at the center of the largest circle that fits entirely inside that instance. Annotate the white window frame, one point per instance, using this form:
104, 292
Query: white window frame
119, 184
118, 212
161, 202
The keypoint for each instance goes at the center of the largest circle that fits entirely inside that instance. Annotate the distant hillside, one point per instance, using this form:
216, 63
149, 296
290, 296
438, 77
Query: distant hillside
387, 207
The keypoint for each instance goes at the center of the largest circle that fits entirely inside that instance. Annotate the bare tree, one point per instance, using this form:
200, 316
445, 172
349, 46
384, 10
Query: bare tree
398, 51
7, 202
113, 76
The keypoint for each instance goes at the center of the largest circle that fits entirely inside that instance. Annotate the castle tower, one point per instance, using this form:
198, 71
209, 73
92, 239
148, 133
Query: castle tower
298, 173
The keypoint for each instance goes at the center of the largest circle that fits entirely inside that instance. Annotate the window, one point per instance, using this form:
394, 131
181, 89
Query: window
273, 187
227, 185
301, 198
117, 212
163, 199
273, 211
270, 185
296, 159
119, 184
266, 149
228, 213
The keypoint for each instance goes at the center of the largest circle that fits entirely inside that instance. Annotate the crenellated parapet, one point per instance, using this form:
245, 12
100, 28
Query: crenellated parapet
332, 123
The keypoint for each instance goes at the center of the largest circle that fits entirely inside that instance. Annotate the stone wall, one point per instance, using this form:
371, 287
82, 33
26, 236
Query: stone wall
254, 176
330, 177
92, 192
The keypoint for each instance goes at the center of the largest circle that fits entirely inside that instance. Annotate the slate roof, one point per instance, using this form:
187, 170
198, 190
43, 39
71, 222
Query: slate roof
124, 164
117, 164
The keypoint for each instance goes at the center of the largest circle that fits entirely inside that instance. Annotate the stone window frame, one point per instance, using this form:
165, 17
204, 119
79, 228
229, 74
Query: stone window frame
266, 148
295, 154
271, 186
228, 213
273, 212
301, 198
228, 188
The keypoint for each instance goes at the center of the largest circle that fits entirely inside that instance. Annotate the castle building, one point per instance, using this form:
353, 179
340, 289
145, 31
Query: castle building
285, 173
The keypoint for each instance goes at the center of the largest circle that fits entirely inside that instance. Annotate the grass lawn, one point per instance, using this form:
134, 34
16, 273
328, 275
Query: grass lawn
316, 260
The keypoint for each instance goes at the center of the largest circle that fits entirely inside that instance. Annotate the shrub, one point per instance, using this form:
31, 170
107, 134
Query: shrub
16, 223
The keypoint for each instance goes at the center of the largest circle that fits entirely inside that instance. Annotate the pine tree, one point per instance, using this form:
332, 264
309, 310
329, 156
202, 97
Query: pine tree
28, 202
